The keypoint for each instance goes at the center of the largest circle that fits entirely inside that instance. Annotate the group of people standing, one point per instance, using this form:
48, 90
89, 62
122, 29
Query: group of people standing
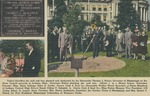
60, 43
130, 42
98, 39
139, 43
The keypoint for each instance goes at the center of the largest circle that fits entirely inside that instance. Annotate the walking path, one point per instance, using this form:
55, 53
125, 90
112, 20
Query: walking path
98, 64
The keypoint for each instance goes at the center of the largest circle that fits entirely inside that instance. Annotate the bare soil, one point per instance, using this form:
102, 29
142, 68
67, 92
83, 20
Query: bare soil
98, 64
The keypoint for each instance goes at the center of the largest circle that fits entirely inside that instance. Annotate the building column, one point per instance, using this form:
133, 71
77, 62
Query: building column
90, 13
96, 7
90, 9
116, 9
48, 11
102, 13
141, 13
53, 6
137, 6
133, 5
147, 18
112, 5
144, 14
110, 10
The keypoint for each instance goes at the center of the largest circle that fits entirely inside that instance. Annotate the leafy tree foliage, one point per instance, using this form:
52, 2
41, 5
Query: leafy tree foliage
97, 21
71, 19
9, 46
74, 22
60, 10
127, 16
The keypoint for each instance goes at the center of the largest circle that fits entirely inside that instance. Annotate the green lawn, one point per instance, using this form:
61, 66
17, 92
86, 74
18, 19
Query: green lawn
148, 33
133, 68
41, 74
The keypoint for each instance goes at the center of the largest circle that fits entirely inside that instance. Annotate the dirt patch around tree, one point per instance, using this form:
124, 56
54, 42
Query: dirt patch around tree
97, 64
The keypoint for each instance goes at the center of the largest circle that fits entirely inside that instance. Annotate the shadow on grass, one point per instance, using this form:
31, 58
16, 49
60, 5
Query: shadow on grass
147, 57
53, 66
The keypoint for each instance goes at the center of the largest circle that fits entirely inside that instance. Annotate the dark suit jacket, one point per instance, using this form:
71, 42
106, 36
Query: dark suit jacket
96, 38
32, 64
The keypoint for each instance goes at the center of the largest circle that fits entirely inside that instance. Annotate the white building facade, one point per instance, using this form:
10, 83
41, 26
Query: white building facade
108, 10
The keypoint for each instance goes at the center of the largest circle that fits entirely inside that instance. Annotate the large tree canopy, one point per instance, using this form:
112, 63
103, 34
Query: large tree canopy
60, 10
97, 21
73, 20
127, 15
9, 46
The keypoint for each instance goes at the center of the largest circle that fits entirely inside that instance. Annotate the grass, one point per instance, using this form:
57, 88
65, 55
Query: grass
41, 73
133, 68
148, 33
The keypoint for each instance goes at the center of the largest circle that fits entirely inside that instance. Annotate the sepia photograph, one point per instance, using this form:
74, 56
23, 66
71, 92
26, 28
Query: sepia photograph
98, 38
74, 47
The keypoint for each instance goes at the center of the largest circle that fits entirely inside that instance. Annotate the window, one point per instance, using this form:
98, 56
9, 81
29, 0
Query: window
99, 8
83, 8
104, 18
105, 8
93, 8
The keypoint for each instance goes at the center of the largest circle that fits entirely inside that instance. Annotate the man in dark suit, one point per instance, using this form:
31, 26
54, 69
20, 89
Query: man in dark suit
32, 62
96, 42
108, 43
101, 35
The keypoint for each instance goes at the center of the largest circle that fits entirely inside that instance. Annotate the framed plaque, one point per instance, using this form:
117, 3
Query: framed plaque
22, 18
76, 63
